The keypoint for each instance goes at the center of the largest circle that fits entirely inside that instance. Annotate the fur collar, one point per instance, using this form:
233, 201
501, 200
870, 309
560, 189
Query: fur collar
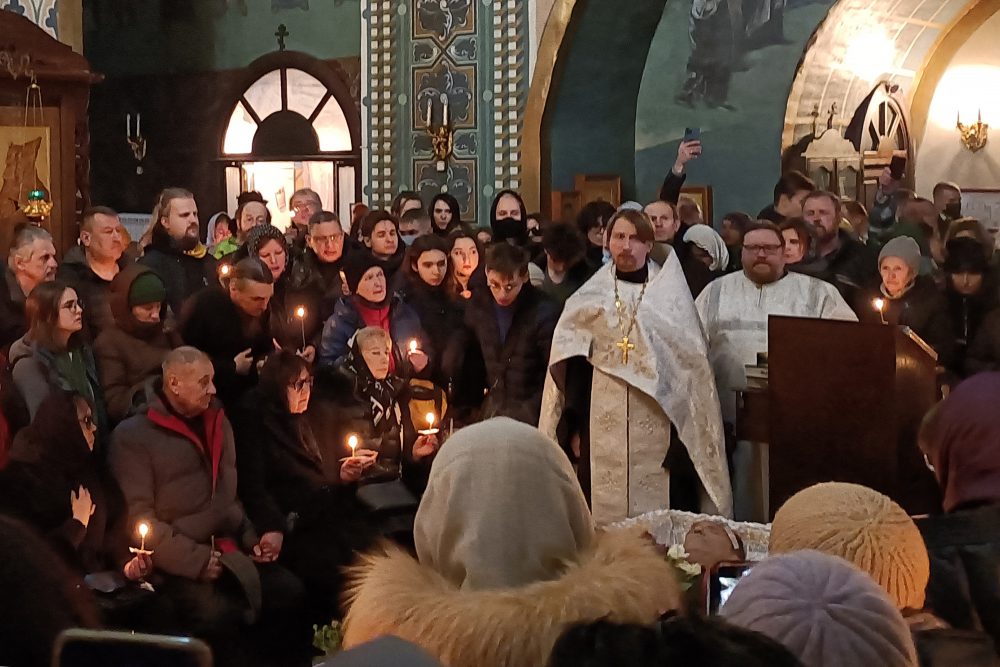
622, 578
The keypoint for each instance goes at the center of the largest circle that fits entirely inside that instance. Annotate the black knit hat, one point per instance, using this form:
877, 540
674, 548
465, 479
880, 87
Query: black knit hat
356, 265
261, 234
965, 255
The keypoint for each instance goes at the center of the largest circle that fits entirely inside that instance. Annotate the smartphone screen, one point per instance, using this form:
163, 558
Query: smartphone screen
897, 167
692, 134
94, 648
722, 582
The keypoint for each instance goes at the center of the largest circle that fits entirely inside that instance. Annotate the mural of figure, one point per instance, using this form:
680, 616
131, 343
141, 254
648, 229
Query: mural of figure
720, 31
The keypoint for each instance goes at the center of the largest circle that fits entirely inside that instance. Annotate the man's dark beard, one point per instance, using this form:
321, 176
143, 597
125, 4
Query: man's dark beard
186, 243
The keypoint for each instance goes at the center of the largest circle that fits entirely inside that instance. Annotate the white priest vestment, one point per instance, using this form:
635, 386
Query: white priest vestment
667, 378
734, 311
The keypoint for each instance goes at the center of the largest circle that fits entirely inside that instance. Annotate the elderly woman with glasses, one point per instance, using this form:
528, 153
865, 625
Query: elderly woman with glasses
52, 355
294, 482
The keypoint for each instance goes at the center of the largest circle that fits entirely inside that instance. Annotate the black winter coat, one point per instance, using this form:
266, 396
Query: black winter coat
49, 460
440, 318
92, 289
215, 325
923, 309
183, 275
12, 322
516, 368
277, 471
967, 316
852, 269
964, 550
983, 353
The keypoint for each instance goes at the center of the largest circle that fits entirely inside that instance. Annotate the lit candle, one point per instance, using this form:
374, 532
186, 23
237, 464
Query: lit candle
413, 346
224, 269
430, 420
879, 305
300, 313
143, 532
352, 442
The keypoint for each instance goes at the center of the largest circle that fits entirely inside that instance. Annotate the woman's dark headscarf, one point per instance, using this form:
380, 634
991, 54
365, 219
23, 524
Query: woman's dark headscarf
509, 228
456, 215
962, 439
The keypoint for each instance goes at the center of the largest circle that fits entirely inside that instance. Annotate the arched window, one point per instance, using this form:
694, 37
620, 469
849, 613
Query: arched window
288, 130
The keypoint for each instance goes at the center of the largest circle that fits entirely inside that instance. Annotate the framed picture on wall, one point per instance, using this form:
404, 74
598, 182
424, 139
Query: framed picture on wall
984, 206
701, 195
599, 187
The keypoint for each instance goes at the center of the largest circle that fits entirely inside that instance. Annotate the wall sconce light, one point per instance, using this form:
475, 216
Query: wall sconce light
973, 136
442, 138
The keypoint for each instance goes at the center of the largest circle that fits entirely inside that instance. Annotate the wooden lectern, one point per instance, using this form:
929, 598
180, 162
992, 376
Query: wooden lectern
845, 404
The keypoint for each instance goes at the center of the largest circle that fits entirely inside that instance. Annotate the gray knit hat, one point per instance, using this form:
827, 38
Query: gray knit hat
824, 610
906, 249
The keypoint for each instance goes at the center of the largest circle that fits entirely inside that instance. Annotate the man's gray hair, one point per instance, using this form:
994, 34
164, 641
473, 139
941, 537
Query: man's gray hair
182, 356
24, 238
306, 192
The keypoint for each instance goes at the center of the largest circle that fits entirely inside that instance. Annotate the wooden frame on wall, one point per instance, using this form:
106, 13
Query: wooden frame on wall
702, 195
598, 187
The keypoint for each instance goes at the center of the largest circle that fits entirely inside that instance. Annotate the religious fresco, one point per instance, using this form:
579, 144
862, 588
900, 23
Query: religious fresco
25, 154
725, 67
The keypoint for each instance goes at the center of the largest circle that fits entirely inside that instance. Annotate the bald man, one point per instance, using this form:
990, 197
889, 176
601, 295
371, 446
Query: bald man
176, 465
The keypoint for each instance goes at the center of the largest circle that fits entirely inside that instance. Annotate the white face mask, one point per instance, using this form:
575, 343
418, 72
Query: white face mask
408, 239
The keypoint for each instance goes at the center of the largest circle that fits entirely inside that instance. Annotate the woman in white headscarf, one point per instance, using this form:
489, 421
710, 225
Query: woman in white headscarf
507, 558
713, 249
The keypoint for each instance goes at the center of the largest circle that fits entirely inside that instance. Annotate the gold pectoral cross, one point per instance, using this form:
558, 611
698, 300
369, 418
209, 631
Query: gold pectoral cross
624, 345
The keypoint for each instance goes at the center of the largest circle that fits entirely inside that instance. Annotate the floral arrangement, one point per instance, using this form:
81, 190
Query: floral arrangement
687, 572
328, 638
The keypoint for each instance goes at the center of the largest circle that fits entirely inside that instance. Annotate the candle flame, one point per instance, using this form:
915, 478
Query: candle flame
352, 442
225, 269
879, 304
300, 312
413, 345
430, 419
143, 529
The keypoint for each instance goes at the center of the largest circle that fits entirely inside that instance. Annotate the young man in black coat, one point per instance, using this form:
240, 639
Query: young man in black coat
511, 327
231, 325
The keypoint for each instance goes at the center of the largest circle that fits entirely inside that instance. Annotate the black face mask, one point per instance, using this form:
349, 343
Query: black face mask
953, 210
509, 228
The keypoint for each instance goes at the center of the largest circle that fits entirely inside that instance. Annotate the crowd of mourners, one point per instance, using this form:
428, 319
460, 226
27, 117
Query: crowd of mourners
244, 435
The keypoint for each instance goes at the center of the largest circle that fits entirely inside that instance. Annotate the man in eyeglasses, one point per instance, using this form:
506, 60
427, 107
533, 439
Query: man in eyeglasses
734, 310
510, 327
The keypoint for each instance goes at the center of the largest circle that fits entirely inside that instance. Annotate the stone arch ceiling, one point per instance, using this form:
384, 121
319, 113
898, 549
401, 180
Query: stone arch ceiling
914, 28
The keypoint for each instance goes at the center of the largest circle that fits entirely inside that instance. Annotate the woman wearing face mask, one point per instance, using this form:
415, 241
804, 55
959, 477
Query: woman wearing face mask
380, 236
52, 356
268, 244
426, 269
466, 270
296, 487
371, 305
445, 214
55, 482
132, 350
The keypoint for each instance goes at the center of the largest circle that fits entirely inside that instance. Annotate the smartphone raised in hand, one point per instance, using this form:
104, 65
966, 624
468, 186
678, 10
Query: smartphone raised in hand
692, 134
897, 167
722, 579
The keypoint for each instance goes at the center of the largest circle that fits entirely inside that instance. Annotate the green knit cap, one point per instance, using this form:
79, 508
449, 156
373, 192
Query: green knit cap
147, 288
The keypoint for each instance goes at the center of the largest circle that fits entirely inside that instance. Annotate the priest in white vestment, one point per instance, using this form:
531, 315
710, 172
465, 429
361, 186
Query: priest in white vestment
634, 328
734, 310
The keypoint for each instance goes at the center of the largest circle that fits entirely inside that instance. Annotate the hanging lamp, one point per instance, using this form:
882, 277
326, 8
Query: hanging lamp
37, 206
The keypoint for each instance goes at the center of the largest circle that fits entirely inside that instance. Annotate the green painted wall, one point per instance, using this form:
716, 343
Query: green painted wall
176, 36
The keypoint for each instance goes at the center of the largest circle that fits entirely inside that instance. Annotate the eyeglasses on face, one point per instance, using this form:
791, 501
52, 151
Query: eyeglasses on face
766, 249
